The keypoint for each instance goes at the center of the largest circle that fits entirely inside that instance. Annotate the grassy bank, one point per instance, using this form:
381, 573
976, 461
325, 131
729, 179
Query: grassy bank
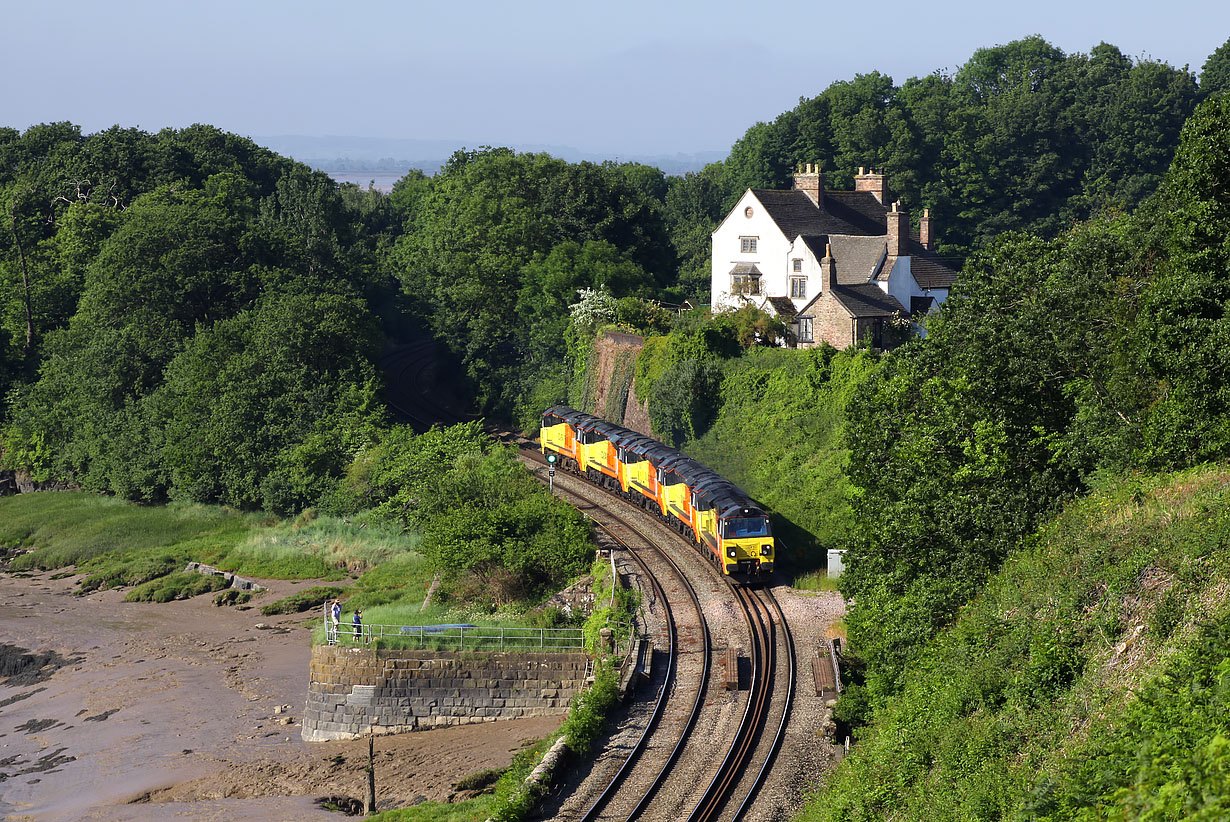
1090, 679
120, 544
780, 435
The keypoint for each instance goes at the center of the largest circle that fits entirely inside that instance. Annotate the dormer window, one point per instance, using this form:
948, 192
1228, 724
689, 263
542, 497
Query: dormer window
747, 245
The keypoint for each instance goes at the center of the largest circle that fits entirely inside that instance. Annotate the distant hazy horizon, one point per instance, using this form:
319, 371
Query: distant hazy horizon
641, 79
360, 159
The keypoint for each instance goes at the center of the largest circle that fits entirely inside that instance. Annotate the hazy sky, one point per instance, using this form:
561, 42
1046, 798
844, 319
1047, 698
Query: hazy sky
623, 78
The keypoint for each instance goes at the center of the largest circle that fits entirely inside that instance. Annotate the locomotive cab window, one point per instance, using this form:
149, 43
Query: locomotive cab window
740, 527
665, 478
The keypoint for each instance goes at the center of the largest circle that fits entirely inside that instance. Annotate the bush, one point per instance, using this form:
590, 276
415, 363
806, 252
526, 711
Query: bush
1047, 698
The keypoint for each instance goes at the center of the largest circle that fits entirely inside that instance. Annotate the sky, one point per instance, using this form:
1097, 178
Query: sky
620, 79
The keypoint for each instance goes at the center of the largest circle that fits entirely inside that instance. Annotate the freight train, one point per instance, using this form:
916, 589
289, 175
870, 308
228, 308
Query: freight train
725, 524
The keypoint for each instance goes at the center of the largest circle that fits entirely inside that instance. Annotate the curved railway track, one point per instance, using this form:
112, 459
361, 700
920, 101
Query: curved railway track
772, 651
685, 706
773, 664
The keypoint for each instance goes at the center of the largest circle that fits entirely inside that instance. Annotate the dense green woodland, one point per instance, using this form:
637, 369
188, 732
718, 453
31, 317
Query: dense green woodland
187, 317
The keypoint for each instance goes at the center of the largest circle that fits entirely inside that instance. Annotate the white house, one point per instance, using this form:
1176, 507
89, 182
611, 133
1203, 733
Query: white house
837, 266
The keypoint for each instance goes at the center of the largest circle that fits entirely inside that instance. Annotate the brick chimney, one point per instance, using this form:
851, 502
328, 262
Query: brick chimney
868, 180
925, 230
828, 269
898, 231
809, 179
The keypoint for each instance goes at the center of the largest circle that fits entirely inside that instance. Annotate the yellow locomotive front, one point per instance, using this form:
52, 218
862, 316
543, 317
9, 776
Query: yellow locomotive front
746, 542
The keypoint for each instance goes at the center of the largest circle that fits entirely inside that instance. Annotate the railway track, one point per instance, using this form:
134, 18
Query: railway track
629, 790
730, 791
662, 774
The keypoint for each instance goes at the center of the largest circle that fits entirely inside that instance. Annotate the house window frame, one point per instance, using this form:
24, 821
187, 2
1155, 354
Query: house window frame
796, 265
806, 329
798, 288
748, 244
745, 285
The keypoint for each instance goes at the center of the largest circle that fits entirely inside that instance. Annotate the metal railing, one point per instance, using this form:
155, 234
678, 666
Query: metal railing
473, 637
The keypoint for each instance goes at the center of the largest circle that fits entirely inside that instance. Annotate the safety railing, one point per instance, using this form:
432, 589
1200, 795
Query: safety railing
467, 637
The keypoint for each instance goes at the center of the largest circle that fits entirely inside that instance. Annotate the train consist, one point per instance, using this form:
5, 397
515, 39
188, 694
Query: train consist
726, 525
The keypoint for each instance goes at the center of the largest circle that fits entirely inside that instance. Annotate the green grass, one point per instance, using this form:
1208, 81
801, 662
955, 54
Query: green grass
72, 528
305, 600
1088, 680
814, 581
179, 585
117, 544
311, 547
470, 810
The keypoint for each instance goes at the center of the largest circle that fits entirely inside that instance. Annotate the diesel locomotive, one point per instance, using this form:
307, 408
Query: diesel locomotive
725, 524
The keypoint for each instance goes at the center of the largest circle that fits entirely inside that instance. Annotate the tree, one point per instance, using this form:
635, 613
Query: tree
1215, 73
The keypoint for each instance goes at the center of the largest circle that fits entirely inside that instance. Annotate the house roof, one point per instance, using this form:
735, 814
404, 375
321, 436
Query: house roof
929, 270
859, 208
867, 300
795, 214
782, 306
856, 257
854, 223
863, 300
746, 268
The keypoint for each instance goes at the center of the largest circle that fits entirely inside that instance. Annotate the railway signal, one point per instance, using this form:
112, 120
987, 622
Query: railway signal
551, 472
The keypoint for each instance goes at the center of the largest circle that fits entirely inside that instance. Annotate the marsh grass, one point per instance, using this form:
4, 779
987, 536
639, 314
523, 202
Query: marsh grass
179, 585
73, 528
311, 547
118, 544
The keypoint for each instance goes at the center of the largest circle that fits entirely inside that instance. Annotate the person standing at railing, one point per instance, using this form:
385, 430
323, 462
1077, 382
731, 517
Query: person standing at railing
337, 619
358, 624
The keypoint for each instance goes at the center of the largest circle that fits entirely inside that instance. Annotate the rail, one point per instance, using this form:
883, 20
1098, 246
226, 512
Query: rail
472, 637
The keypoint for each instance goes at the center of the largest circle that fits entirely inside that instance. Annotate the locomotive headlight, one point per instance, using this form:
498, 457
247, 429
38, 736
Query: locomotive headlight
730, 552
765, 550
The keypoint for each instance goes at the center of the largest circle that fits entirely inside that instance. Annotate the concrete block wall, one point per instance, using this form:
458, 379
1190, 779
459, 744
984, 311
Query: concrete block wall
354, 691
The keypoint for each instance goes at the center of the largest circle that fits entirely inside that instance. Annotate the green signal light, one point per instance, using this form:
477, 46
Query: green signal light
551, 458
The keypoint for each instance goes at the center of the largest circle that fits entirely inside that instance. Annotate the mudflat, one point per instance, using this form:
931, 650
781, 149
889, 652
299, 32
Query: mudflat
185, 710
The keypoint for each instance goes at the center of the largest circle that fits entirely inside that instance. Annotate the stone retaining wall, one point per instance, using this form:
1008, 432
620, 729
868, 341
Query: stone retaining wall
354, 691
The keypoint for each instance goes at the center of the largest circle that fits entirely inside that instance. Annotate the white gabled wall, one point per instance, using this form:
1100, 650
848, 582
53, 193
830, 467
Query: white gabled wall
903, 286
811, 270
770, 256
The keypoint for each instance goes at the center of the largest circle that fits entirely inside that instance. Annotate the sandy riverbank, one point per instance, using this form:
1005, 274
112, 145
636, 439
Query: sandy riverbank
164, 711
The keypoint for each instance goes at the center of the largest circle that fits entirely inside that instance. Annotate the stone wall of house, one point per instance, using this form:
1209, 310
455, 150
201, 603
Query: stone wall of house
354, 691
831, 324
